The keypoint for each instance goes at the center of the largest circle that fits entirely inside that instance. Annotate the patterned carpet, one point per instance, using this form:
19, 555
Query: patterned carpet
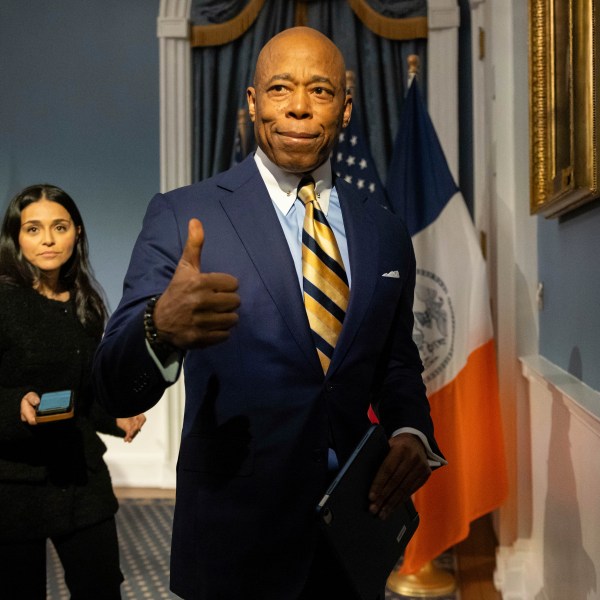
144, 527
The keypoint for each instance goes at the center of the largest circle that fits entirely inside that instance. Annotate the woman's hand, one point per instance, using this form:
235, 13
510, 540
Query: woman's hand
131, 426
29, 403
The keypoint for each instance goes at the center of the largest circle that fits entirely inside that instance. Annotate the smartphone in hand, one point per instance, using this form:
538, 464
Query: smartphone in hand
55, 406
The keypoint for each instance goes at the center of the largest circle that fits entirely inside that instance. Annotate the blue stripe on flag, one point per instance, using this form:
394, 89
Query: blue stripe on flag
419, 182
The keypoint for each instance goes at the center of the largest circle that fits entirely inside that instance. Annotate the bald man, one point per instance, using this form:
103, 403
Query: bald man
273, 405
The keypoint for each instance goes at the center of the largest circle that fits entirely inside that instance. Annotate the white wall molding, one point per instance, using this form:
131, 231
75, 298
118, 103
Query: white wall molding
582, 401
516, 574
512, 243
173, 27
559, 555
175, 94
443, 17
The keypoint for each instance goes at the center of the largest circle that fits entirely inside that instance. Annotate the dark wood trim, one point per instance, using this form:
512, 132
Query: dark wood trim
476, 561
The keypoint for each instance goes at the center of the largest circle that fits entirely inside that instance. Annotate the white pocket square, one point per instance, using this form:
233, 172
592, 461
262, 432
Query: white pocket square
392, 274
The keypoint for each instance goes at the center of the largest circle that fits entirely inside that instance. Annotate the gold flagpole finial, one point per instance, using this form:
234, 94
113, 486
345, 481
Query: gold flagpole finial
413, 64
350, 81
413, 67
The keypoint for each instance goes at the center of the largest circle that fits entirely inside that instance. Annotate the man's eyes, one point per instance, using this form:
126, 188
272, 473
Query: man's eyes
317, 91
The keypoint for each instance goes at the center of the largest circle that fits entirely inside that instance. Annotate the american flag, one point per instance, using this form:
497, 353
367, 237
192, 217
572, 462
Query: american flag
353, 162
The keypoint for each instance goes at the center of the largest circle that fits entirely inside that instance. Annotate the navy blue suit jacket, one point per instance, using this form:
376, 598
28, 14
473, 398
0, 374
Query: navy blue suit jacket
260, 415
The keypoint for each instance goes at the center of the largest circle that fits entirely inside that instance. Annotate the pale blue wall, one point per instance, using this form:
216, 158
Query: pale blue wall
79, 107
569, 267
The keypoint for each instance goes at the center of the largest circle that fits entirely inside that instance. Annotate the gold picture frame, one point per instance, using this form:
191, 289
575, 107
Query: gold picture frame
563, 91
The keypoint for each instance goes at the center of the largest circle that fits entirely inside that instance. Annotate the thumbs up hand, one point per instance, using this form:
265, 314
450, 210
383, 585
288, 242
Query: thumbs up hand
197, 309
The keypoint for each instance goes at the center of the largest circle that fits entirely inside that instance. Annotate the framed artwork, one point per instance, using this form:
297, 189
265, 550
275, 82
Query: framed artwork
564, 78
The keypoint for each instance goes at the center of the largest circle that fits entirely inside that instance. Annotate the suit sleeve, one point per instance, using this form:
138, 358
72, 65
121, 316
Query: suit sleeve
126, 379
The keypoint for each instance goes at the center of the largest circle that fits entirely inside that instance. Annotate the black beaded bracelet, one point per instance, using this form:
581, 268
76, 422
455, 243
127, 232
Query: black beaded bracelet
149, 326
162, 350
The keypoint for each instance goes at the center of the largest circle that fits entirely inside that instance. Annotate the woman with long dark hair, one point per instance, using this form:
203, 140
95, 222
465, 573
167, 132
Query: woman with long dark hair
54, 483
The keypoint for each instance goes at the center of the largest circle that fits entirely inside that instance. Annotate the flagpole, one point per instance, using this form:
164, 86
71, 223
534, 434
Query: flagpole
430, 580
350, 82
413, 67
242, 121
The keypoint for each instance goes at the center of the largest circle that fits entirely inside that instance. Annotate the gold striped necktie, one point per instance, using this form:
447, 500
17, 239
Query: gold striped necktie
325, 283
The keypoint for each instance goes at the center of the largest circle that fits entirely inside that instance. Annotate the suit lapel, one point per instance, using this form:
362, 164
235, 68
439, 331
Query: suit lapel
362, 237
252, 214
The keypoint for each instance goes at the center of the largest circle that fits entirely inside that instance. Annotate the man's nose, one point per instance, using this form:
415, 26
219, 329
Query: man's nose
299, 106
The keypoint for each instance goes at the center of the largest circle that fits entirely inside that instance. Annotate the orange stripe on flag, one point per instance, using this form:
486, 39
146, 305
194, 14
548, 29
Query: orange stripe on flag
468, 428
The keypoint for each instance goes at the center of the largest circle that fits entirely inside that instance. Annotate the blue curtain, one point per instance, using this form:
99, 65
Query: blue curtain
222, 73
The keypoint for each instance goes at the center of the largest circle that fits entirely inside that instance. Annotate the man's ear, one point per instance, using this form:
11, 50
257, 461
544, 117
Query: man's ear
251, 98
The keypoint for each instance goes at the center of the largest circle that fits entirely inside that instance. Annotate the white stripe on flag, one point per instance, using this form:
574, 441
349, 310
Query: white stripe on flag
452, 310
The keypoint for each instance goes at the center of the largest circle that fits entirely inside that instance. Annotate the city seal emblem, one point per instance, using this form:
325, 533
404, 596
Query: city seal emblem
434, 327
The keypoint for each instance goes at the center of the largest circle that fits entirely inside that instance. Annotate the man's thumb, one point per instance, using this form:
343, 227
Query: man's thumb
194, 243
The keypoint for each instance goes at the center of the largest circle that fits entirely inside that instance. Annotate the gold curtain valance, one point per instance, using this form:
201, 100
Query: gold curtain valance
394, 29
223, 33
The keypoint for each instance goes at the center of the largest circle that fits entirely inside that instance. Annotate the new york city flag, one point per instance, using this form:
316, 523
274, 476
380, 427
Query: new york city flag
453, 330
